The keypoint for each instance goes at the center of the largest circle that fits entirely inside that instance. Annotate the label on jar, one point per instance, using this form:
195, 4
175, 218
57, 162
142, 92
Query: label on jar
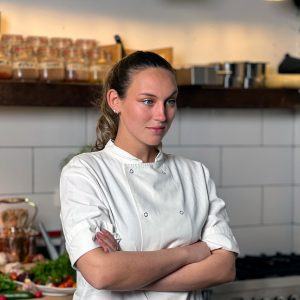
51, 65
5, 63
25, 65
99, 68
75, 67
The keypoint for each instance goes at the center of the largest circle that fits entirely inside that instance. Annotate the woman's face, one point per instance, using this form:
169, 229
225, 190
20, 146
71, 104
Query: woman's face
149, 107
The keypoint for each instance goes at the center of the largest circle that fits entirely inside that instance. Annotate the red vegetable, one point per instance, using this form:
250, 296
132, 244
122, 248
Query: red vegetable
2, 297
13, 276
37, 294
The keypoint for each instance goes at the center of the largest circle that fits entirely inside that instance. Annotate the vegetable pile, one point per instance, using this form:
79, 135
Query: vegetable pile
8, 290
58, 273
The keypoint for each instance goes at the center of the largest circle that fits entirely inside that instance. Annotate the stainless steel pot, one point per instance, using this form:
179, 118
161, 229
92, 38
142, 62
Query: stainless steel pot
255, 74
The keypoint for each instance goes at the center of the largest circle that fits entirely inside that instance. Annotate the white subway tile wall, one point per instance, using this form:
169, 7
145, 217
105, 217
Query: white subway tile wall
35, 126
296, 207
297, 165
278, 127
296, 239
297, 127
250, 166
16, 170
209, 156
264, 239
251, 155
244, 205
278, 205
221, 127
48, 163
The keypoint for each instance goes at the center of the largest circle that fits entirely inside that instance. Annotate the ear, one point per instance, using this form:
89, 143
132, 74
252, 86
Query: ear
113, 100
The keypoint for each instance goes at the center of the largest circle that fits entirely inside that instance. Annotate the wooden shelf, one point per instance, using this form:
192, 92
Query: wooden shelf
14, 93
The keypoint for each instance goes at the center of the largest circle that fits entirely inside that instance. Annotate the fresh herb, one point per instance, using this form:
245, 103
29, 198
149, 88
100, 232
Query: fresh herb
53, 271
6, 284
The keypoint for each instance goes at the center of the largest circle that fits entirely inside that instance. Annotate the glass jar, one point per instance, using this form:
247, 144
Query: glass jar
12, 40
18, 243
86, 45
25, 64
75, 65
51, 65
5, 62
35, 42
61, 44
99, 66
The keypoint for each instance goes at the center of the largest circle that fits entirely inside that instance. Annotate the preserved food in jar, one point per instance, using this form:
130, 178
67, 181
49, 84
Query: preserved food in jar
51, 65
75, 66
35, 42
5, 62
12, 40
25, 66
61, 44
99, 66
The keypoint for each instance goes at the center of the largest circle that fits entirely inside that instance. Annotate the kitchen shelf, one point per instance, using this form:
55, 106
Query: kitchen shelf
14, 93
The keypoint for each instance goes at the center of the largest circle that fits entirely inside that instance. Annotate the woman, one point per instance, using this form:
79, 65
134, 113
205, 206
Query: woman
162, 209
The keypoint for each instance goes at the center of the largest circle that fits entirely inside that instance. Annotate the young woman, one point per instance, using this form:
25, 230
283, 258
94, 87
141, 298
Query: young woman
140, 223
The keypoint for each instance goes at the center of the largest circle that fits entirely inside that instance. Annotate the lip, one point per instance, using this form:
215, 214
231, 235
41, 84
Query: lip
157, 129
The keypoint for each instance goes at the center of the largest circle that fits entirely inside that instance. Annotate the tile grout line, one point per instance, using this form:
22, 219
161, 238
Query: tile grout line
32, 169
262, 209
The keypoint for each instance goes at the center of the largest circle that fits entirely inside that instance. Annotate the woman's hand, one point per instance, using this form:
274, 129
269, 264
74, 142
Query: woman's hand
107, 241
197, 252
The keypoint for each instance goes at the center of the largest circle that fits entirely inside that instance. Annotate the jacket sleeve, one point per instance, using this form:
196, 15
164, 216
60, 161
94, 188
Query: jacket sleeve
83, 210
216, 231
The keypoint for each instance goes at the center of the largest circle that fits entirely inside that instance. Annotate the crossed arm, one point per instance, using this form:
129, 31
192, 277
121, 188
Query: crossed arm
183, 268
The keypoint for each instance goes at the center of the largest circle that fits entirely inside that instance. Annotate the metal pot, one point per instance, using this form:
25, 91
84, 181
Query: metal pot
255, 74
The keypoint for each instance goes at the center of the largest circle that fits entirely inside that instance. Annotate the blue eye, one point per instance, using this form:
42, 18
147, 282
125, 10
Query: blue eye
171, 102
147, 101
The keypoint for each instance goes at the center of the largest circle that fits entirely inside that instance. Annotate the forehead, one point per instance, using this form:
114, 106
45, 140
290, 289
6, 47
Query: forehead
152, 79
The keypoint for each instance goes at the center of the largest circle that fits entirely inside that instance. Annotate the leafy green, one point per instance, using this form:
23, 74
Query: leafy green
53, 271
6, 284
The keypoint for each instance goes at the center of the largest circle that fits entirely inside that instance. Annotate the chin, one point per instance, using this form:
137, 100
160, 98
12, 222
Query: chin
154, 142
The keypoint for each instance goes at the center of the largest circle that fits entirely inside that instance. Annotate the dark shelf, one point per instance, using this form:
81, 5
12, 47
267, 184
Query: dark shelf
14, 93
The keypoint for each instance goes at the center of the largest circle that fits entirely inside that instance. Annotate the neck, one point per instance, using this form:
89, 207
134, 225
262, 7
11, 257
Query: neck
141, 151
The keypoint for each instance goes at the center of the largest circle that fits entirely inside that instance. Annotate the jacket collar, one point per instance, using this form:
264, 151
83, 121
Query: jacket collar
126, 157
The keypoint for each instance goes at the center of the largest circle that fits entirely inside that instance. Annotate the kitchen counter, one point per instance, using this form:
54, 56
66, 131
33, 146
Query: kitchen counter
69, 297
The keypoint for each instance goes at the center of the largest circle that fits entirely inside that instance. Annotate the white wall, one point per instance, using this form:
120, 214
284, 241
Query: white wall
254, 155
200, 31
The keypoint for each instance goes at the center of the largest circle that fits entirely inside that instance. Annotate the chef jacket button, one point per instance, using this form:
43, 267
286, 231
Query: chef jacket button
131, 171
145, 214
163, 172
181, 212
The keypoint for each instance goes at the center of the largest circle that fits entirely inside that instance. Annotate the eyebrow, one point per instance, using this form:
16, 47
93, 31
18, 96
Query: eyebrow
152, 95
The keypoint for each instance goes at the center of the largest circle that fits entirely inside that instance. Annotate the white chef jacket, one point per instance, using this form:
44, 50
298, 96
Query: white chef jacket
150, 206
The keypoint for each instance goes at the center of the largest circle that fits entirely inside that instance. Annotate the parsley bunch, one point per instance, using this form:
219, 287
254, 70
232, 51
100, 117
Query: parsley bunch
6, 284
53, 271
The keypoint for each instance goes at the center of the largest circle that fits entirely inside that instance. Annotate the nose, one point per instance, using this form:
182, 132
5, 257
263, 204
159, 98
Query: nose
160, 113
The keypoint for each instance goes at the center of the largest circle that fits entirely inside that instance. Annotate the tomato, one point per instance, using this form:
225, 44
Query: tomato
13, 275
38, 294
2, 297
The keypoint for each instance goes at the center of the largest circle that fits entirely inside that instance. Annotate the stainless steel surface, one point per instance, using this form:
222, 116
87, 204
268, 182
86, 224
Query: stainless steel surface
282, 288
